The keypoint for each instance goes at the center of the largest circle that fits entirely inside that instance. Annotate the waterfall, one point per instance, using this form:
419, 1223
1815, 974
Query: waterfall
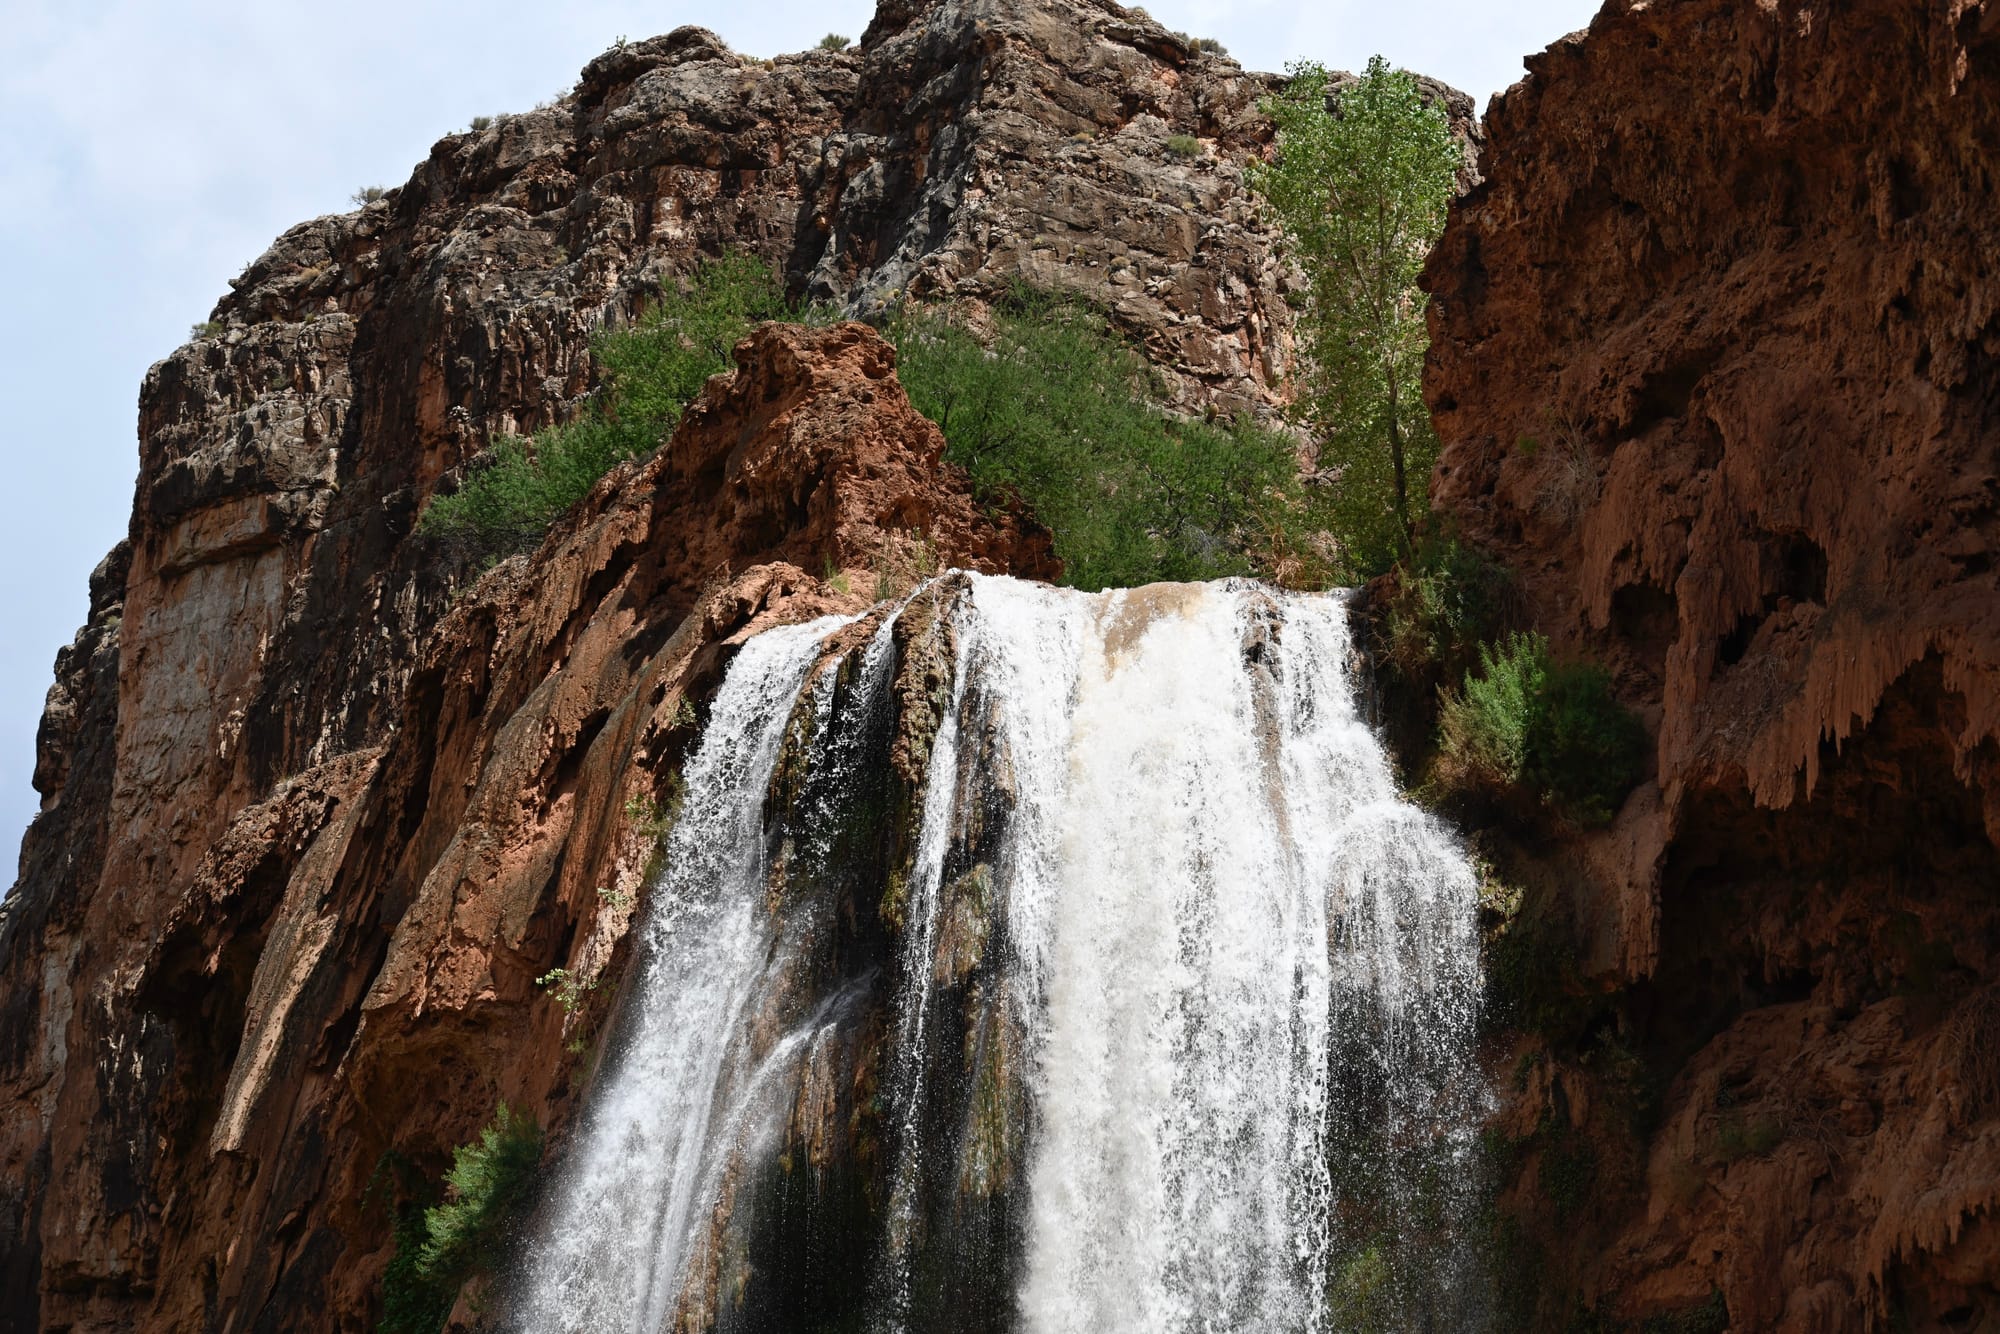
1054, 962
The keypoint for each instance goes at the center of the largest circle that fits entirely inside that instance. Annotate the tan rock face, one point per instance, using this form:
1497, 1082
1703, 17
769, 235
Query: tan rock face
1714, 365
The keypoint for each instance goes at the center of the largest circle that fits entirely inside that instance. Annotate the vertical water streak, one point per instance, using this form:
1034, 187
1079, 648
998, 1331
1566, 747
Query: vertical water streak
613, 1250
907, 1080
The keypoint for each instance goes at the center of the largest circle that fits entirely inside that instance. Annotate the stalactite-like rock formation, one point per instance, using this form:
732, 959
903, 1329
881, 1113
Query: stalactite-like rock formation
1715, 368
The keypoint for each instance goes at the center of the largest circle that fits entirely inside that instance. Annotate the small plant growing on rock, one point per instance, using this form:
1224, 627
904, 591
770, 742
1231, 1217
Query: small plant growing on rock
566, 987
833, 41
1183, 145
487, 1189
1208, 46
652, 817
368, 194
206, 329
480, 123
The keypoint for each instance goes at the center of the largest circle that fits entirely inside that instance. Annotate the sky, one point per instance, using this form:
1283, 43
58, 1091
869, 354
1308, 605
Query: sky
149, 151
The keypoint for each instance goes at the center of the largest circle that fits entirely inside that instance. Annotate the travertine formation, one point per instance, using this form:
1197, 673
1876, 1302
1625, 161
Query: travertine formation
1715, 370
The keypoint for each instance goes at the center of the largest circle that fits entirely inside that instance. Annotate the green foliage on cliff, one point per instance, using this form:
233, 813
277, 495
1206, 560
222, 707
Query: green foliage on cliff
1052, 406
651, 370
1551, 729
1045, 403
1363, 175
1447, 600
439, 1247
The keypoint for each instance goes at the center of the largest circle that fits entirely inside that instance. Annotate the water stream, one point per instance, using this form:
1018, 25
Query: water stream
1053, 962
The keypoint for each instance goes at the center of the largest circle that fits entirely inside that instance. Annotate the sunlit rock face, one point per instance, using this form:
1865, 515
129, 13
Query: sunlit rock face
1714, 373
1023, 959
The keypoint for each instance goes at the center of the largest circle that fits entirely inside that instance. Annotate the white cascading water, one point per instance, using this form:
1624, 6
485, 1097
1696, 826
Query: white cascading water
1246, 973
642, 1177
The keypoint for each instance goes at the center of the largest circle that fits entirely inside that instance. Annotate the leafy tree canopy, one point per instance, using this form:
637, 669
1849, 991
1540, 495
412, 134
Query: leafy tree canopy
1363, 175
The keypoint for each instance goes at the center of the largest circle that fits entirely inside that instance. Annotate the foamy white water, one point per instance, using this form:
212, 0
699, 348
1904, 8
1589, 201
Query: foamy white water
613, 1252
1243, 972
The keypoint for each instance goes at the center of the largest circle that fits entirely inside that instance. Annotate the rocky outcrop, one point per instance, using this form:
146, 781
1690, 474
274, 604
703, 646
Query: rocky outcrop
316, 813
346, 967
1714, 367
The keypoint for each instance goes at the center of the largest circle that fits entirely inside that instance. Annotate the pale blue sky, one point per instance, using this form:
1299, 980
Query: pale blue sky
150, 149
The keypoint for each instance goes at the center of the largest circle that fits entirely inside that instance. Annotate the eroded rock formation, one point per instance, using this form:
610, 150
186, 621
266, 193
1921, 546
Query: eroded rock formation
1715, 371
347, 964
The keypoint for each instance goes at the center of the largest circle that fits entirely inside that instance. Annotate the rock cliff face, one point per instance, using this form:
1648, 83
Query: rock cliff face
1715, 369
316, 812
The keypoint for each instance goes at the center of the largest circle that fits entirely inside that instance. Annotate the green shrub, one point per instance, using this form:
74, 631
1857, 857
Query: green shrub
206, 329
1183, 145
1551, 730
1208, 46
1056, 409
480, 123
1483, 727
367, 195
438, 1248
651, 370
1448, 599
833, 41
1585, 750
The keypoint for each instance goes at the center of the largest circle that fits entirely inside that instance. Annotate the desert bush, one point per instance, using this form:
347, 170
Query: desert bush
1183, 145
1549, 729
833, 41
1448, 598
1056, 409
367, 195
650, 371
487, 1190
1584, 750
481, 123
1208, 46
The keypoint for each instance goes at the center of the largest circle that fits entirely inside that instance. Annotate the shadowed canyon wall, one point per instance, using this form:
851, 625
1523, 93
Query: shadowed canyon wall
1715, 372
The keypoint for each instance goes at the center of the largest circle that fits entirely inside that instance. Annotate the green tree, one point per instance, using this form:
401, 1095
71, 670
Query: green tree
1363, 174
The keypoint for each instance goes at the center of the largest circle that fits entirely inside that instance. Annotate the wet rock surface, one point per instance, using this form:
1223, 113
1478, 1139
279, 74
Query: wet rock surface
1714, 369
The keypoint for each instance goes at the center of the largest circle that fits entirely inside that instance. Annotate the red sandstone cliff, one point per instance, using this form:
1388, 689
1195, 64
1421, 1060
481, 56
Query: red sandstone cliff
1715, 361
347, 964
